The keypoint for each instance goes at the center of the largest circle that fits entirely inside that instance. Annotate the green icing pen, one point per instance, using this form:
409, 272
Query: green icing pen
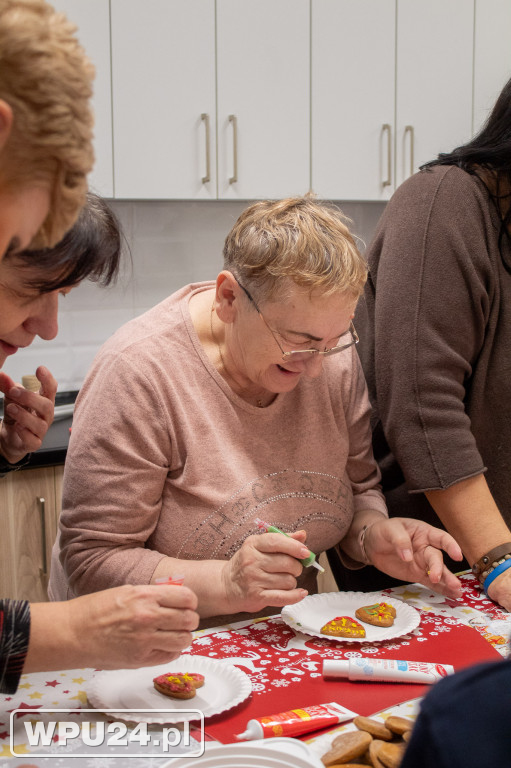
311, 560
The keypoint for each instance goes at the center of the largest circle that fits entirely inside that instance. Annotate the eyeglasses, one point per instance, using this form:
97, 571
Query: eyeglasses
348, 339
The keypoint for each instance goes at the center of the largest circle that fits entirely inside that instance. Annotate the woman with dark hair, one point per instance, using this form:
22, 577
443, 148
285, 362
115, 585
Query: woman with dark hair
435, 334
117, 628
91, 249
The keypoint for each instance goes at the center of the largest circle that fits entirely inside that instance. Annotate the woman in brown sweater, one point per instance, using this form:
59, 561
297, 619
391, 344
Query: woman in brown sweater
435, 332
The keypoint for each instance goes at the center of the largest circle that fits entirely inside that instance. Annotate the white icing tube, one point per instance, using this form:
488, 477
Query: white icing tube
390, 670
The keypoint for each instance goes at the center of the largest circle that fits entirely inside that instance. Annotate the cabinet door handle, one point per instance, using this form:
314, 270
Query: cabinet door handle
42, 511
205, 119
409, 129
388, 130
234, 120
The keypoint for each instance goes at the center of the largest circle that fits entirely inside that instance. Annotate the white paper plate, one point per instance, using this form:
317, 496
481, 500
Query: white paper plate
314, 611
271, 753
225, 686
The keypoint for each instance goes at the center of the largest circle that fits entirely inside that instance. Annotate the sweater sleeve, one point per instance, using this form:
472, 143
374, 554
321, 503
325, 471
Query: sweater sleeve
361, 465
14, 639
115, 472
430, 268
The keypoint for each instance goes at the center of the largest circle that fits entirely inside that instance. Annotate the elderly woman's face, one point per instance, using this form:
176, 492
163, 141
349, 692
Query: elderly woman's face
297, 322
25, 311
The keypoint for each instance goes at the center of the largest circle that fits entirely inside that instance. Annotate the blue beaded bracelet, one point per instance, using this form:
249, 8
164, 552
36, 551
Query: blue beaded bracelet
493, 575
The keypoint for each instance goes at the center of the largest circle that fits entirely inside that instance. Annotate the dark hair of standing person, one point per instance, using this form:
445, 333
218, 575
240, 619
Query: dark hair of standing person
488, 156
91, 249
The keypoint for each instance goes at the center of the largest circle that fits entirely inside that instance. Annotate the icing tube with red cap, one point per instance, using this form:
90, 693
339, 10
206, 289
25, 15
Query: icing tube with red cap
296, 721
386, 670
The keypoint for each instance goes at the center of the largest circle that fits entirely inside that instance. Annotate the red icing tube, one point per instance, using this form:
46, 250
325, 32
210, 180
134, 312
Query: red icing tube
296, 721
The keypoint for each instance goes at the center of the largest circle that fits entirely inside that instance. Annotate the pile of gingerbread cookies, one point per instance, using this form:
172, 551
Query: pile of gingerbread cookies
377, 744
378, 614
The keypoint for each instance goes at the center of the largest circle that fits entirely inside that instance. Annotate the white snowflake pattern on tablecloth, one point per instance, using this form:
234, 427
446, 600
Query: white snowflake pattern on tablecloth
228, 649
248, 643
353, 654
203, 641
271, 637
280, 683
296, 679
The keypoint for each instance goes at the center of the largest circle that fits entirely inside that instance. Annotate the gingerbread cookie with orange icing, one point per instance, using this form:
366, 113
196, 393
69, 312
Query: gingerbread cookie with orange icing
344, 626
179, 685
378, 614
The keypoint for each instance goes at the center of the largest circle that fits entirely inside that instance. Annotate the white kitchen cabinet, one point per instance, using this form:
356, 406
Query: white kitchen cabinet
263, 87
353, 86
182, 72
492, 55
433, 80
391, 88
163, 75
92, 18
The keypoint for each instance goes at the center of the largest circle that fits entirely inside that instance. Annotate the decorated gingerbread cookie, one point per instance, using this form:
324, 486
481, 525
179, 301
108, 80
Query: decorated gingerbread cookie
379, 614
179, 685
344, 626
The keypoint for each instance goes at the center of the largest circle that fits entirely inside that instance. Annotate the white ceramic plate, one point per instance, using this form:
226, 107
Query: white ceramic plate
225, 686
314, 611
271, 753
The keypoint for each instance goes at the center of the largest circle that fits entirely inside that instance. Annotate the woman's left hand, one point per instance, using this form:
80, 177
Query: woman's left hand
410, 550
27, 415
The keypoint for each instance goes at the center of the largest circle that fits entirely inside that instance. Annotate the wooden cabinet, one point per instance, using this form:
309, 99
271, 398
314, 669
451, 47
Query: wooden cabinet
391, 88
30, 505
492, 55
92, 18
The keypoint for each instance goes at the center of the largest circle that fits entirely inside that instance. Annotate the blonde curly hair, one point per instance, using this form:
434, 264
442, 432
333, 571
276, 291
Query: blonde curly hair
299, 239
46, 80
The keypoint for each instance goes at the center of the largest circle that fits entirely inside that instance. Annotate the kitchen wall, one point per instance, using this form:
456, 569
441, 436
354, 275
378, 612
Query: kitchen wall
170, 244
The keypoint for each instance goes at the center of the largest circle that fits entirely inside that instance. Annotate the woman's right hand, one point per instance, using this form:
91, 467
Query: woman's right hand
263, 572
134, 626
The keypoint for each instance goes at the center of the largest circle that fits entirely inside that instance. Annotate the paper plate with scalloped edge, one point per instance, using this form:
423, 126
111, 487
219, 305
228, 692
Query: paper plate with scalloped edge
314, 611
225, 686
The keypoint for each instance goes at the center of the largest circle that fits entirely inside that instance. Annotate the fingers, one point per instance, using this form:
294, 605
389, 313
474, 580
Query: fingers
48, 383
174, 596
394, 533
278, 598
6, 383
448, 584
273, 543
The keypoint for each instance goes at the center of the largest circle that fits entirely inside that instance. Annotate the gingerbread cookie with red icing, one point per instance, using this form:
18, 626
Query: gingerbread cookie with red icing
344, 626
378, 614
178, 685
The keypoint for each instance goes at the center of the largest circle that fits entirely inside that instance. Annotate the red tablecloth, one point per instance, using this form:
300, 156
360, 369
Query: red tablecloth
285, 667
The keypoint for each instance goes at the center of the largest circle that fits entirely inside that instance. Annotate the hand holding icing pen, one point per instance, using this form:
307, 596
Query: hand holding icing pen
386, 670
296, 721
306, 561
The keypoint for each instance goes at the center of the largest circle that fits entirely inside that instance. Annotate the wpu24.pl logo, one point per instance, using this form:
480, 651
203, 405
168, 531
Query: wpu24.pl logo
49, 730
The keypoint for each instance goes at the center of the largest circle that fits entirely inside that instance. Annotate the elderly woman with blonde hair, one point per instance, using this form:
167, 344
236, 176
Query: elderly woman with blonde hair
233, 400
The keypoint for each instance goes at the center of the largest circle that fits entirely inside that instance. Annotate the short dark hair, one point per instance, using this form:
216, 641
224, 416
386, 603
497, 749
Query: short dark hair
91, 249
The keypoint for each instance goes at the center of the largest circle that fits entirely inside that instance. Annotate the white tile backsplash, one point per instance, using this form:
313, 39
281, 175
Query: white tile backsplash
170, 244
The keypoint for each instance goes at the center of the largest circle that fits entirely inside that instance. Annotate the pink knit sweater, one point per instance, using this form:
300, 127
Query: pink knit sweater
165, 459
